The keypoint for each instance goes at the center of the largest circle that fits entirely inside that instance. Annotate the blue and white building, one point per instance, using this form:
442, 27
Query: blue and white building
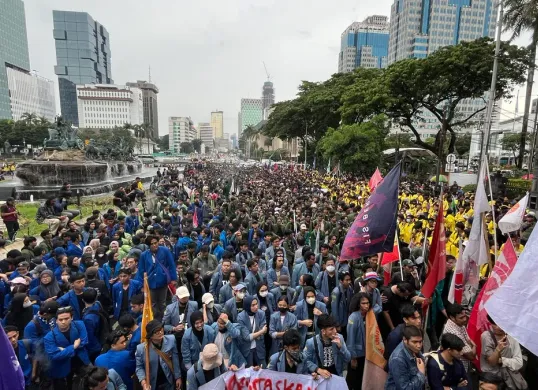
364, 44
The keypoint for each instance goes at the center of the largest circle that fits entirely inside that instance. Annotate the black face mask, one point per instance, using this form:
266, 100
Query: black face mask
283, 309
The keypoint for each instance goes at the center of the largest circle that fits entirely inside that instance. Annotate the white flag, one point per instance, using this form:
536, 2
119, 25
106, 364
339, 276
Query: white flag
514, 217
514, 305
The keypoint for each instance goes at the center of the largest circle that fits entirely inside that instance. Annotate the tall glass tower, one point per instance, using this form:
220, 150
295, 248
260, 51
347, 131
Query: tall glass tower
82, 57
13, 48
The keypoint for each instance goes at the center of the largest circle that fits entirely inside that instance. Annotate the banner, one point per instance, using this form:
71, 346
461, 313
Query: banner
249, 379
513, 305
455, 293
147, 311
437, 257
375, 227
513, 219
374, 376
478, 321
11, 376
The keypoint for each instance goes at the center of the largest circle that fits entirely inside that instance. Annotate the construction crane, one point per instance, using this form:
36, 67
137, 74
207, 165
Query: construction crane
266, 71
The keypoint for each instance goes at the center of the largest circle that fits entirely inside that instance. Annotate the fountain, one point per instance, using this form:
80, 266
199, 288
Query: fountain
95, 168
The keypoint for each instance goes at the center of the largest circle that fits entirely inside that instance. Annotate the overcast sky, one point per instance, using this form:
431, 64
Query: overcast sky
208, 55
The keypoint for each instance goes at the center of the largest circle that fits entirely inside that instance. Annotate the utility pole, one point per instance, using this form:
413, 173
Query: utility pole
305, 143
491, 100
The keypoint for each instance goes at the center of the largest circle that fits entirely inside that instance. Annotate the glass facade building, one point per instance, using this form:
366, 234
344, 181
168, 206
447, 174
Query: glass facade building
82, 57
13, 48
364, 44
251, 112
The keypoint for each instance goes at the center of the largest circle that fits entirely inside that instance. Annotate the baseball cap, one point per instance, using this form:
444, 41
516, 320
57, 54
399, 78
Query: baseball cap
303, 226
239, 287
371, 275
50, 307
182, 292
211, 357
408, 262
19, 280
207, 297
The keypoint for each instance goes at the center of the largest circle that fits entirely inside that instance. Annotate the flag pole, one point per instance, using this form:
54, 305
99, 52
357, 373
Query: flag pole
147, 367
492, 214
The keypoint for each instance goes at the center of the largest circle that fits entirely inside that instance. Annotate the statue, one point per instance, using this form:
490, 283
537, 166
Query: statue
63, 137
7, 147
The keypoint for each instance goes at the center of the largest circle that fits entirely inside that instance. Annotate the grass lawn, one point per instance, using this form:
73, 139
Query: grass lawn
30, 227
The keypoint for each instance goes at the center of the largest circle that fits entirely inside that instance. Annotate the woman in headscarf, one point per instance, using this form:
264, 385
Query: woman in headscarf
307, 312
48, 286
88, 250
253, 329
20, 313
73, 262
95, 243
266, 303
100, 256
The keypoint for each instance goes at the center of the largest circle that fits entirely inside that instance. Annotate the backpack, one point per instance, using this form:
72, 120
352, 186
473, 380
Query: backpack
104, 324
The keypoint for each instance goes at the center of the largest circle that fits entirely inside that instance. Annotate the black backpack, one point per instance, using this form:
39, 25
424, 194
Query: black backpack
104, 324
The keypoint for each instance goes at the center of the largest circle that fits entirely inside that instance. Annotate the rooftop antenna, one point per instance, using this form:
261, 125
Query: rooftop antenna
266, 72
150, 73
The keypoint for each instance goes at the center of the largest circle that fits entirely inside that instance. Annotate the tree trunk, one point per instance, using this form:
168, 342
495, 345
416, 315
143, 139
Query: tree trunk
528, 98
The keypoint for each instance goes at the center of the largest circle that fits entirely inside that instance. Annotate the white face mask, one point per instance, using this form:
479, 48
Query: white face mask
283, 288
331, 268
263, 294
210, 305
310, 301
240, 295
27, 304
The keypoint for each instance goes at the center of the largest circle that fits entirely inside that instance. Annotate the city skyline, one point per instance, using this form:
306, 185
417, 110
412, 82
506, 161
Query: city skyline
293, 53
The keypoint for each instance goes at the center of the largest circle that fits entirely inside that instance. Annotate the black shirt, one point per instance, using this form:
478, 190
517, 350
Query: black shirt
81, 303
209, 375
239, 306
394, 304
290, 369
197, 291
124, 301
67, 335
161, 376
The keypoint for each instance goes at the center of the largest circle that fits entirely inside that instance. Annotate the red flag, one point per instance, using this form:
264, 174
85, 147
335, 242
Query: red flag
388, 258
375, 179
374, 374
478, 321
437, 258
195, 218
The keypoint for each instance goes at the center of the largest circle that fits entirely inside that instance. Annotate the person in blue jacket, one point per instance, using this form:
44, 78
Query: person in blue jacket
283, 289
66, 341
215, 248
209, 367
371, 281
41, 324
117, 357
291, 359
326, 282
137, 307
326, 354
196, 337
276, 270
75, 247
309, 267
340, 300
177, 316
92, 321
73, 298
235, 304
123, 291
253, 327
227, 338
160, 267
356, 338
24, 351
226, 291
221, 277
129, 325
280, 322
308, 311
48, 287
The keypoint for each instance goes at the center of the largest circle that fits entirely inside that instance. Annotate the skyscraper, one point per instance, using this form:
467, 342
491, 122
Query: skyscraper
180, 129
151, 110
268, 95
217, 123
206, 134
440, 23
82, 57
13, 48
251, 112
364, 44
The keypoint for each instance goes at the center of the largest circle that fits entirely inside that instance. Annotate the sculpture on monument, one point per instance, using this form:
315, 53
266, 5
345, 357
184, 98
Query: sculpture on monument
62, 136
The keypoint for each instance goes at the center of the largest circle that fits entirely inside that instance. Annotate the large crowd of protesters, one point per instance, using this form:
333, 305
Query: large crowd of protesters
244, 270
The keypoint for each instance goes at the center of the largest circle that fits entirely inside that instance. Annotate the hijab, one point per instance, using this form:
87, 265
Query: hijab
49, 290
197, 316
306, 290
88, 249
94, 244
247, 302
18, 315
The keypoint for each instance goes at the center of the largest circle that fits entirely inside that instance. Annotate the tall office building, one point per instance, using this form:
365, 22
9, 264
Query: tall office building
30, 93
107, 106
239, 125
268, 95
364, 44
13, 48
251, 112
420, 27
82, 57
206, 134
217, 122
180, 129
233, 140
151, 111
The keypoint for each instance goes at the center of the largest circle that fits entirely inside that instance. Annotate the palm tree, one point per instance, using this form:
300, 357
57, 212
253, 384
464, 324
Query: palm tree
28, 118
268, 143
248, 134
521, 16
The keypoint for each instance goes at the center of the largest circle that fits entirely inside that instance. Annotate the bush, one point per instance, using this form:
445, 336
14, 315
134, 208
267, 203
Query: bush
516, 188
469, 188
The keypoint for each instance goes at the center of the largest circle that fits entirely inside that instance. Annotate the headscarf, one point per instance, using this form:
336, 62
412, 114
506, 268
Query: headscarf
49, 290
18, 315
91, 250
247, 302
197, 316
258, 287
95, 243
306, 290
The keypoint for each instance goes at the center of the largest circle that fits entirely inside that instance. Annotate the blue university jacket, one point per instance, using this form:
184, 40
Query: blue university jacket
277, 362
225, 293
169, 348
70, 299
121, 362
232, 338
302, 269
340, 300
135, 287
171, 315
341, 355
157, 276
243, 321
196, 377
276, 326
356, 335
61, 358
93, 327
191, 347
301, 312
272, 278
24, 357
403, 371
73, 250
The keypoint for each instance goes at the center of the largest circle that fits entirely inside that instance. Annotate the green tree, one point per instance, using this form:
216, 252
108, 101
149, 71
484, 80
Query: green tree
357, 147
521, 16
186, 147
463, 144
164, 142
510, 142
437, 85
398, 141
197, 144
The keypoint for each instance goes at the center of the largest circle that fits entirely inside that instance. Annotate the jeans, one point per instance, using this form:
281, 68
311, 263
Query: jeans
12, 228
158, 299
